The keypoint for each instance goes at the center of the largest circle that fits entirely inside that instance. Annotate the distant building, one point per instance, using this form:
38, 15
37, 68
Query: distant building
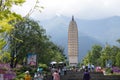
73, 43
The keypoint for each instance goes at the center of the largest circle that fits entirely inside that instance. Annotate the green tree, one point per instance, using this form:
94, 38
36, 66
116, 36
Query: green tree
102, 60
114, 51
5, 57
6, 16
95, 54
87, 59
118, 59
108, 54
29, 37
9, 18
7, 22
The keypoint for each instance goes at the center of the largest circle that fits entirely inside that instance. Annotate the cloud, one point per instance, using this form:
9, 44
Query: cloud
83, 9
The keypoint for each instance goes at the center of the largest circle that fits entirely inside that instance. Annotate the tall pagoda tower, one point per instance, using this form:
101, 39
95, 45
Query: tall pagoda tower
73, 43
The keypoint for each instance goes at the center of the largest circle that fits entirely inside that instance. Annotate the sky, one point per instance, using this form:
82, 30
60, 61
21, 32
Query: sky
82, 9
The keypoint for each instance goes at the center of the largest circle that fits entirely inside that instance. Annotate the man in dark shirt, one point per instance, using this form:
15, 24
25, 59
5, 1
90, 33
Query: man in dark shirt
86, 75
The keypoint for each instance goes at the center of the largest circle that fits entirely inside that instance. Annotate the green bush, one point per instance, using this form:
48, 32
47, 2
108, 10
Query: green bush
18, 77
108, 70
20, 73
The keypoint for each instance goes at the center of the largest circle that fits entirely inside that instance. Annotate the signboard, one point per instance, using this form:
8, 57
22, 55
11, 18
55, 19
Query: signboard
109, 63
31, 59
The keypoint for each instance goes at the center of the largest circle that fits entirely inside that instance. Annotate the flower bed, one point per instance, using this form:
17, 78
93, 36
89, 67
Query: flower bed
6, 73
116, 70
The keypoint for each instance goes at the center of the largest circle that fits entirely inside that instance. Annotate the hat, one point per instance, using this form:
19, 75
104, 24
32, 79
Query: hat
27, 72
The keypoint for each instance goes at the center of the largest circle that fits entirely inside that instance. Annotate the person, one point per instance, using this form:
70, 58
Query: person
86, 75
83, 67
89, 67
56, 75
65, 70
27, 76
35, 76
40, 76
93, 67
40, 70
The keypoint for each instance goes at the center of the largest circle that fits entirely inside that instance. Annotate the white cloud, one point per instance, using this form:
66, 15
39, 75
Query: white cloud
83, 9
25, 8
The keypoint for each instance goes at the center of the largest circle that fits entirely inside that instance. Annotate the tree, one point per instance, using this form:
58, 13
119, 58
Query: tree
108, 55
102, 60
7, 18
29, 37
5, 57
95, 54
118, 59
114, 51
117, 56
7, 15
7, 22
87, 58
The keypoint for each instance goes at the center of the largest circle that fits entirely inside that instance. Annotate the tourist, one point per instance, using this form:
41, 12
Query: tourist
39, 70
86, 75
35, 76
40, 76
27, 76
93, 67
65, 70
83, 68
89, 67
56, 75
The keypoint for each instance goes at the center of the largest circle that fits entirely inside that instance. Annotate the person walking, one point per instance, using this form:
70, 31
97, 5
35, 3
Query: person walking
40, 76
27, 76
56, 75
86, 75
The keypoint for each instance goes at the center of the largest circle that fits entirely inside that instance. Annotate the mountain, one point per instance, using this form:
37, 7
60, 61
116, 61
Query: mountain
90, 32
105, 30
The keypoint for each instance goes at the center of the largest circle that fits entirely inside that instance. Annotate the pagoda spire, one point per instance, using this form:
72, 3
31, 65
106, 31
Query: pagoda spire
72, 18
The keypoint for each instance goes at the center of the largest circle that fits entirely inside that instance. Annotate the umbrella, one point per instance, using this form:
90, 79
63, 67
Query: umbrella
53, 62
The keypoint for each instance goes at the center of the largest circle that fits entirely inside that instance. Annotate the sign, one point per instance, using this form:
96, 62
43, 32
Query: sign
31, 59
109, 63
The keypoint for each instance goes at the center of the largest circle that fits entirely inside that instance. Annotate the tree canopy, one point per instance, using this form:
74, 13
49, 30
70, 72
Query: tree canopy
102, 56
29, 37
7, 18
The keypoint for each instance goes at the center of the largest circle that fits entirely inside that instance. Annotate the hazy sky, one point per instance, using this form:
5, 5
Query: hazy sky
83, 9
